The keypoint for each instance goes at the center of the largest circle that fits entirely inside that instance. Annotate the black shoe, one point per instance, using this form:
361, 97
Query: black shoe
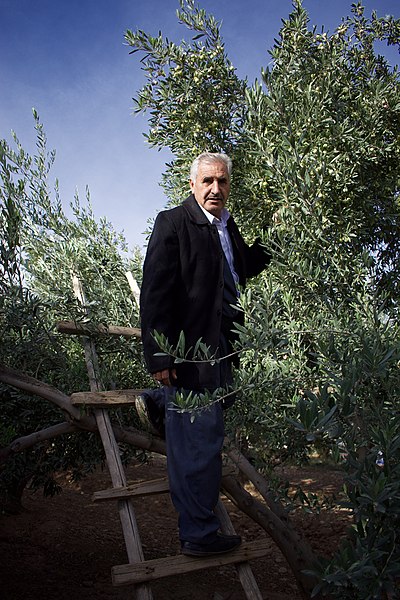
150, 414
222, 544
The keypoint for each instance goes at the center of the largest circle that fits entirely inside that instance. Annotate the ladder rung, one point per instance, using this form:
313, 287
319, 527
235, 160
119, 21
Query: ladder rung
175, 565
89, 329
145, 488
110, 398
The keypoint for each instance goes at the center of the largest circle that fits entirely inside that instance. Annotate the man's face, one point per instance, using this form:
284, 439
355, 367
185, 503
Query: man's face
211, 188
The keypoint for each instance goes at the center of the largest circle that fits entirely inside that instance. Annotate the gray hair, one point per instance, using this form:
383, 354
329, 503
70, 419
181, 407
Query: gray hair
210, 157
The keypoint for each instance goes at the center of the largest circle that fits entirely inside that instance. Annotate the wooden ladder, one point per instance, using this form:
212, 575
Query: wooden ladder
138, 571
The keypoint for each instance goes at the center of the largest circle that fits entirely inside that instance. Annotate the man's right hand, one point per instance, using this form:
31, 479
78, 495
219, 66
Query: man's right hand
165, 377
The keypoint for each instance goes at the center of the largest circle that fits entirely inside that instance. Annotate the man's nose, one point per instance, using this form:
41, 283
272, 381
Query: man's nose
215, 187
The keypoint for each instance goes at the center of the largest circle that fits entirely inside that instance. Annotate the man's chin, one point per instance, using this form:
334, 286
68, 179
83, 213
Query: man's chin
214, 208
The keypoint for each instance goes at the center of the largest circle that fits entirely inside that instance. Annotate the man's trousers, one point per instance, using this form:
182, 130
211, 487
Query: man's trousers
194, 462
194, 445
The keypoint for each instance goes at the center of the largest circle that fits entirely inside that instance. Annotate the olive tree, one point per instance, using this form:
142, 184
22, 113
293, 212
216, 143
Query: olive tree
40, 249
315, 145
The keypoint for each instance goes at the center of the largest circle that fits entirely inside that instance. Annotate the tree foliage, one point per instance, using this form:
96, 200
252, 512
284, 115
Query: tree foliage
194, 98
40, 248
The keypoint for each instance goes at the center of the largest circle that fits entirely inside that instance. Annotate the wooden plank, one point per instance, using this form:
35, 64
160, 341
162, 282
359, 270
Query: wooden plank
108, 398
144, 488
147, 488
176, 565
73, 328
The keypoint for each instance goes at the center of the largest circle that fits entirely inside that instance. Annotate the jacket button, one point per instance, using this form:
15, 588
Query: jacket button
221, 284
218, 313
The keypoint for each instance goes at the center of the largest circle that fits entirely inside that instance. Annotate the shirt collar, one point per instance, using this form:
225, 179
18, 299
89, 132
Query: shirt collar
225, 214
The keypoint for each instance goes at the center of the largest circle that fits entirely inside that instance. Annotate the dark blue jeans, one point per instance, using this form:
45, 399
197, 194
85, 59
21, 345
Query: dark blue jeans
194, 464
194, 469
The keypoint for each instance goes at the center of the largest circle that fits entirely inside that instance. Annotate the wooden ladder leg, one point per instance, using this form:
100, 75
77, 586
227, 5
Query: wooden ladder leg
117, 471
246, 576
126, 513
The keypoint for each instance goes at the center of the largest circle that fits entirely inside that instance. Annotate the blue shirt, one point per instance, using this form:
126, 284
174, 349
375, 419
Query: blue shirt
221, 225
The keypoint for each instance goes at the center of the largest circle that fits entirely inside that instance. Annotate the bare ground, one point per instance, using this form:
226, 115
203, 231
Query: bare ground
64, 547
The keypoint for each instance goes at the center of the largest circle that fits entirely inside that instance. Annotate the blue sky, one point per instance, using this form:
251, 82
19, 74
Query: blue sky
67, 59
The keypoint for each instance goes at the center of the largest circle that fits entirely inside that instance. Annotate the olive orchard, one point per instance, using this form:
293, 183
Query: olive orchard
316, 153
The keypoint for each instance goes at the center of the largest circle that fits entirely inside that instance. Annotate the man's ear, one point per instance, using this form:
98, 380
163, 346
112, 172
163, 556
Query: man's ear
191, 183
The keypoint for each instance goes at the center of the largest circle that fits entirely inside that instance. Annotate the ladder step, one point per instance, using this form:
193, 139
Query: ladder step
175, 565
145, 488
106, 399
73, 328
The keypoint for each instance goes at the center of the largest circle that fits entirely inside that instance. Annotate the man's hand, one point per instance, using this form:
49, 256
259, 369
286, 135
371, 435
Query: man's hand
165, 377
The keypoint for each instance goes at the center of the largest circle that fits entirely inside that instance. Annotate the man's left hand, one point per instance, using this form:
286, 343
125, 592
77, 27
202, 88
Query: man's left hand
165, 377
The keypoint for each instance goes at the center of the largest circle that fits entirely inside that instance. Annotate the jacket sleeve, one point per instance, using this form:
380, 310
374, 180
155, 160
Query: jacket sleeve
257, 258
158, 293
251, 259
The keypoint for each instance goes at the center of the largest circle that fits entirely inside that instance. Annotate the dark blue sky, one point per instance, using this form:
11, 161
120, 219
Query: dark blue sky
67, 59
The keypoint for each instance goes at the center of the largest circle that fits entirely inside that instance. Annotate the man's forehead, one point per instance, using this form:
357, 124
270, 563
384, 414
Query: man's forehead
213, 168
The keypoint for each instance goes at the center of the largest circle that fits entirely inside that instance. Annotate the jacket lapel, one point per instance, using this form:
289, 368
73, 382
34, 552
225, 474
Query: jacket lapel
194, 210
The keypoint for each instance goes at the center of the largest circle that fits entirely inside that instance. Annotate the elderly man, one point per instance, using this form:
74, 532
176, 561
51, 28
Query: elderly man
196, 262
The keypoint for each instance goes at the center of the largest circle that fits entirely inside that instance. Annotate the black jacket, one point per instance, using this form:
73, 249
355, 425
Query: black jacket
182, 288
